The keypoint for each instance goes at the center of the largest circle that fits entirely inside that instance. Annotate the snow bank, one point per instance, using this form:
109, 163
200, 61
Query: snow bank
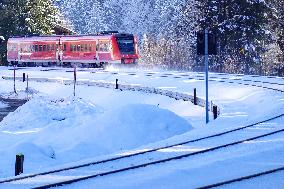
136, 124
55, 131
3, 105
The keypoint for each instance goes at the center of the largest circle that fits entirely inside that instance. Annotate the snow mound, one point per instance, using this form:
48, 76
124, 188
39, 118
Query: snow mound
41, 112
58, 128
134, 125
119, 129
21, 94
3, 105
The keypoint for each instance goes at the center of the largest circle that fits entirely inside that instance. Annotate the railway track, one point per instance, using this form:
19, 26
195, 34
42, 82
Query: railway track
142, 155
242, 178
221, 79
236, 80
254, 80
150, 157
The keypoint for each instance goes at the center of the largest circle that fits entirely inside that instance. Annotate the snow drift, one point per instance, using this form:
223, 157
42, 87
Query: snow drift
55, 131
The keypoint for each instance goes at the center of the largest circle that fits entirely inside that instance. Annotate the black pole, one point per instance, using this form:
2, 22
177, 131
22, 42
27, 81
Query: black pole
27, 89
194, 97
75, 79
19, 165
215, 112
27, 82
15, 79
116, 84
24, 77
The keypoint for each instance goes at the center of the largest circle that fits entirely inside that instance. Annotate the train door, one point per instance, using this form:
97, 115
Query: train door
96, 47
103, 49
59, 50
56, 52
19, 52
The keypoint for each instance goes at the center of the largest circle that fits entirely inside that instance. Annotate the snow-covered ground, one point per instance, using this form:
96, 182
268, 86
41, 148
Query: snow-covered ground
54, 128
2, 105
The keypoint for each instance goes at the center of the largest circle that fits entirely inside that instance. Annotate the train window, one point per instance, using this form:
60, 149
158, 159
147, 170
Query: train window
73, 47
86, 47
78, 47
103, 46
48, 47
36, 48
64, 47
126, 44
39, 48
44, 48
12, 47
90, 47
82, 48
56, 47
52, 47
33, 48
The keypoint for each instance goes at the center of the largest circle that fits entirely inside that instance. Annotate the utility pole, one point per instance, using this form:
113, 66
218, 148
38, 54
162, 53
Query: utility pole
206, 74
206, 45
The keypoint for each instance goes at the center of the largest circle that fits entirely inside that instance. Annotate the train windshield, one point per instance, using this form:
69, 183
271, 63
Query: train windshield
126, 44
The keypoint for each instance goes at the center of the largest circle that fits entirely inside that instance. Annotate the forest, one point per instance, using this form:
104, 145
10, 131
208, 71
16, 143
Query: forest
249, 33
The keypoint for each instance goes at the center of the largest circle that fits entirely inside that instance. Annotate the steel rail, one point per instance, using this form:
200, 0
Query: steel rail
137, 153
155, 162
242, 178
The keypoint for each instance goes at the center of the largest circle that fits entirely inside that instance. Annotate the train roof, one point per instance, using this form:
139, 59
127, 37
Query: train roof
33, 38
66, 37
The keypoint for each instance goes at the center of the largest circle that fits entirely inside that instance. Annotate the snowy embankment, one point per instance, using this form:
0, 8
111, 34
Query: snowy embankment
51, 131
2, 105
54, 128
72, 126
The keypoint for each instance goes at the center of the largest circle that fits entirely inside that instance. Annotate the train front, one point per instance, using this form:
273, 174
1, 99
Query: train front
125, 48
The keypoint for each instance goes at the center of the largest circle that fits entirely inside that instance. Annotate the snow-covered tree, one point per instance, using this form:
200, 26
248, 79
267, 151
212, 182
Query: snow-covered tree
241, 26
22, 17
40, 16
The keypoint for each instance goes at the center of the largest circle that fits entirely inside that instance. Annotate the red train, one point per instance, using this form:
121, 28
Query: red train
88, 50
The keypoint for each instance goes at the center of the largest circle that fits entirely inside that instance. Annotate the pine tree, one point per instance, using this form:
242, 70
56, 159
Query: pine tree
22, 17
275, 60
69, 10
40, 16
95, 19
241, 28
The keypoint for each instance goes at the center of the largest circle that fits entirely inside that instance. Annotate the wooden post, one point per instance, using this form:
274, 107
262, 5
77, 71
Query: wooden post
215, 112
194, 97
75, 79
19, 165
27, 82
15, 79
116, 84
27, 89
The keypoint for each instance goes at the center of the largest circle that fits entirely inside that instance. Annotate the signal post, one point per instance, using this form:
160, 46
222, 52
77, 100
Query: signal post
206, 45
